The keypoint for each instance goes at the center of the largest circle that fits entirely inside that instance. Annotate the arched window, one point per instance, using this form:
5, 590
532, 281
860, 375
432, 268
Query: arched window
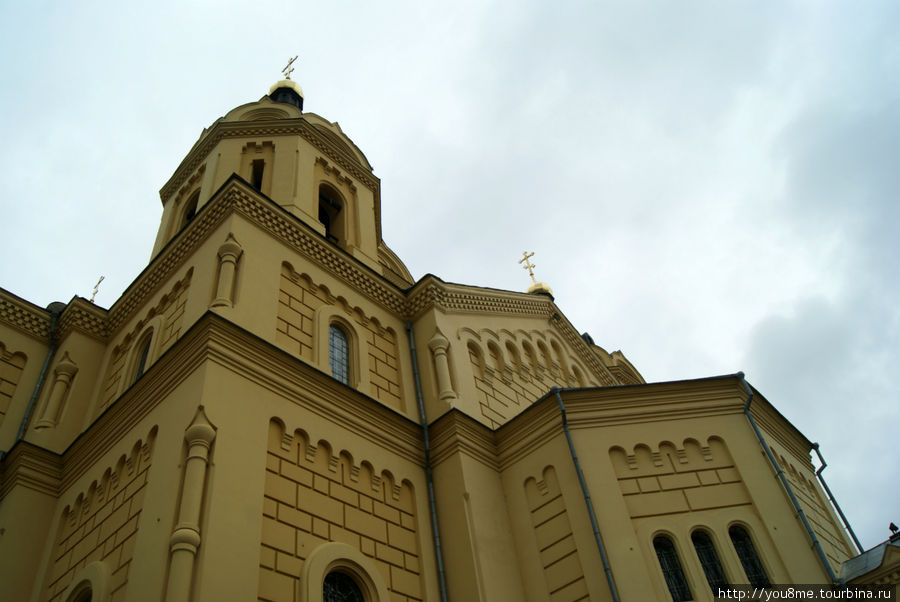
88, 584
709, 560
746, 551
143, 355
190, 209
330, 216
339, 354
337, 572
340, 587
671, 568
85, 595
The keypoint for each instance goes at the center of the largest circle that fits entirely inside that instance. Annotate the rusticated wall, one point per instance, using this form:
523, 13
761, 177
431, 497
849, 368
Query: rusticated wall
314, 494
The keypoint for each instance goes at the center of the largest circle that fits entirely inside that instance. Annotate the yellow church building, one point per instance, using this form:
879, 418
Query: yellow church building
275, 410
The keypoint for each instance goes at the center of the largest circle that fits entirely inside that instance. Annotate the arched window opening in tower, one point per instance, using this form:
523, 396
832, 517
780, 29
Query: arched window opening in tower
671, 568
143, 356
256, 176
190, 209
340, 587
339, 354
330, 213
709, 560
746, 552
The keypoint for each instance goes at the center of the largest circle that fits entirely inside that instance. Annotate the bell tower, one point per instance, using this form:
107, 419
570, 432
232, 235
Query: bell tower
298, 160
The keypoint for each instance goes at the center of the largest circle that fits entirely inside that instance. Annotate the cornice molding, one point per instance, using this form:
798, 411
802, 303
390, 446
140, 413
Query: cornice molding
33, 467
565, 329
282, 127
168, 261
522, 436
781, 431
297, 235
621, 405
24, 316
134, 404
211, 339
83, 316
456, 433
300, 383
432, 293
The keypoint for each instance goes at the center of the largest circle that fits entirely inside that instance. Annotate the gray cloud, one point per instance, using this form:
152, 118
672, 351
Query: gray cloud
708, 187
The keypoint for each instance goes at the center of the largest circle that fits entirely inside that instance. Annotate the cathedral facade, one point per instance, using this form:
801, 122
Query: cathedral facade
275, 410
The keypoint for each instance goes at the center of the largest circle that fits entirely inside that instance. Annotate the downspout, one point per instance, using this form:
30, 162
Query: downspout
587, 498
56, 308
784, 482
834, 501
429, 477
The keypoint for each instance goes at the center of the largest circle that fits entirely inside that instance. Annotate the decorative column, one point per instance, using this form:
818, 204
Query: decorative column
185, 539
62, 379
229, 253
439, 346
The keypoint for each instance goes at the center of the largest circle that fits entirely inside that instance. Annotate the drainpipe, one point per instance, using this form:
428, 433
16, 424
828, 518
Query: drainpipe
587, 498
784, 482
834, 501
429, 477
56, 308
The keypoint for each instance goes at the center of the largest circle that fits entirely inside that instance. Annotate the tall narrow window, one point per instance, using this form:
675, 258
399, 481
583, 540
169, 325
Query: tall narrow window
340, 587
339, 354
143, 355
746, 551
190, 209
671, 568
330, 213
256, 174
709, 560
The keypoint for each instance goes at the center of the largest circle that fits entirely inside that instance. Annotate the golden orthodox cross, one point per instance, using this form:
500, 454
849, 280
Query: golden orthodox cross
528, 265
288, 69
96, 288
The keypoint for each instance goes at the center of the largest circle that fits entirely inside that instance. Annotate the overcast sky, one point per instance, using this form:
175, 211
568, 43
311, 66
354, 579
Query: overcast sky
707, 186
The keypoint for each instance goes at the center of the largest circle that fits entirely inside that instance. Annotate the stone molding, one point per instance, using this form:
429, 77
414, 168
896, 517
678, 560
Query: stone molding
568, 333
167, 262
24, 316
85, 317
457, 433
775, 425
300, 237
80, 314
293, 127
235, 196
30, 466
431, 292
301, 383
212, 338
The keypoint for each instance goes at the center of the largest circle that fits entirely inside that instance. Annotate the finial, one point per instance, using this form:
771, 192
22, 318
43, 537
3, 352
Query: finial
528, 265
288, 69
96, 288
537, 288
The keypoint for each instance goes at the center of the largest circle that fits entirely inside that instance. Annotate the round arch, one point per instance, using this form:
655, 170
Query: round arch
92, 580
335, 556
325, 317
